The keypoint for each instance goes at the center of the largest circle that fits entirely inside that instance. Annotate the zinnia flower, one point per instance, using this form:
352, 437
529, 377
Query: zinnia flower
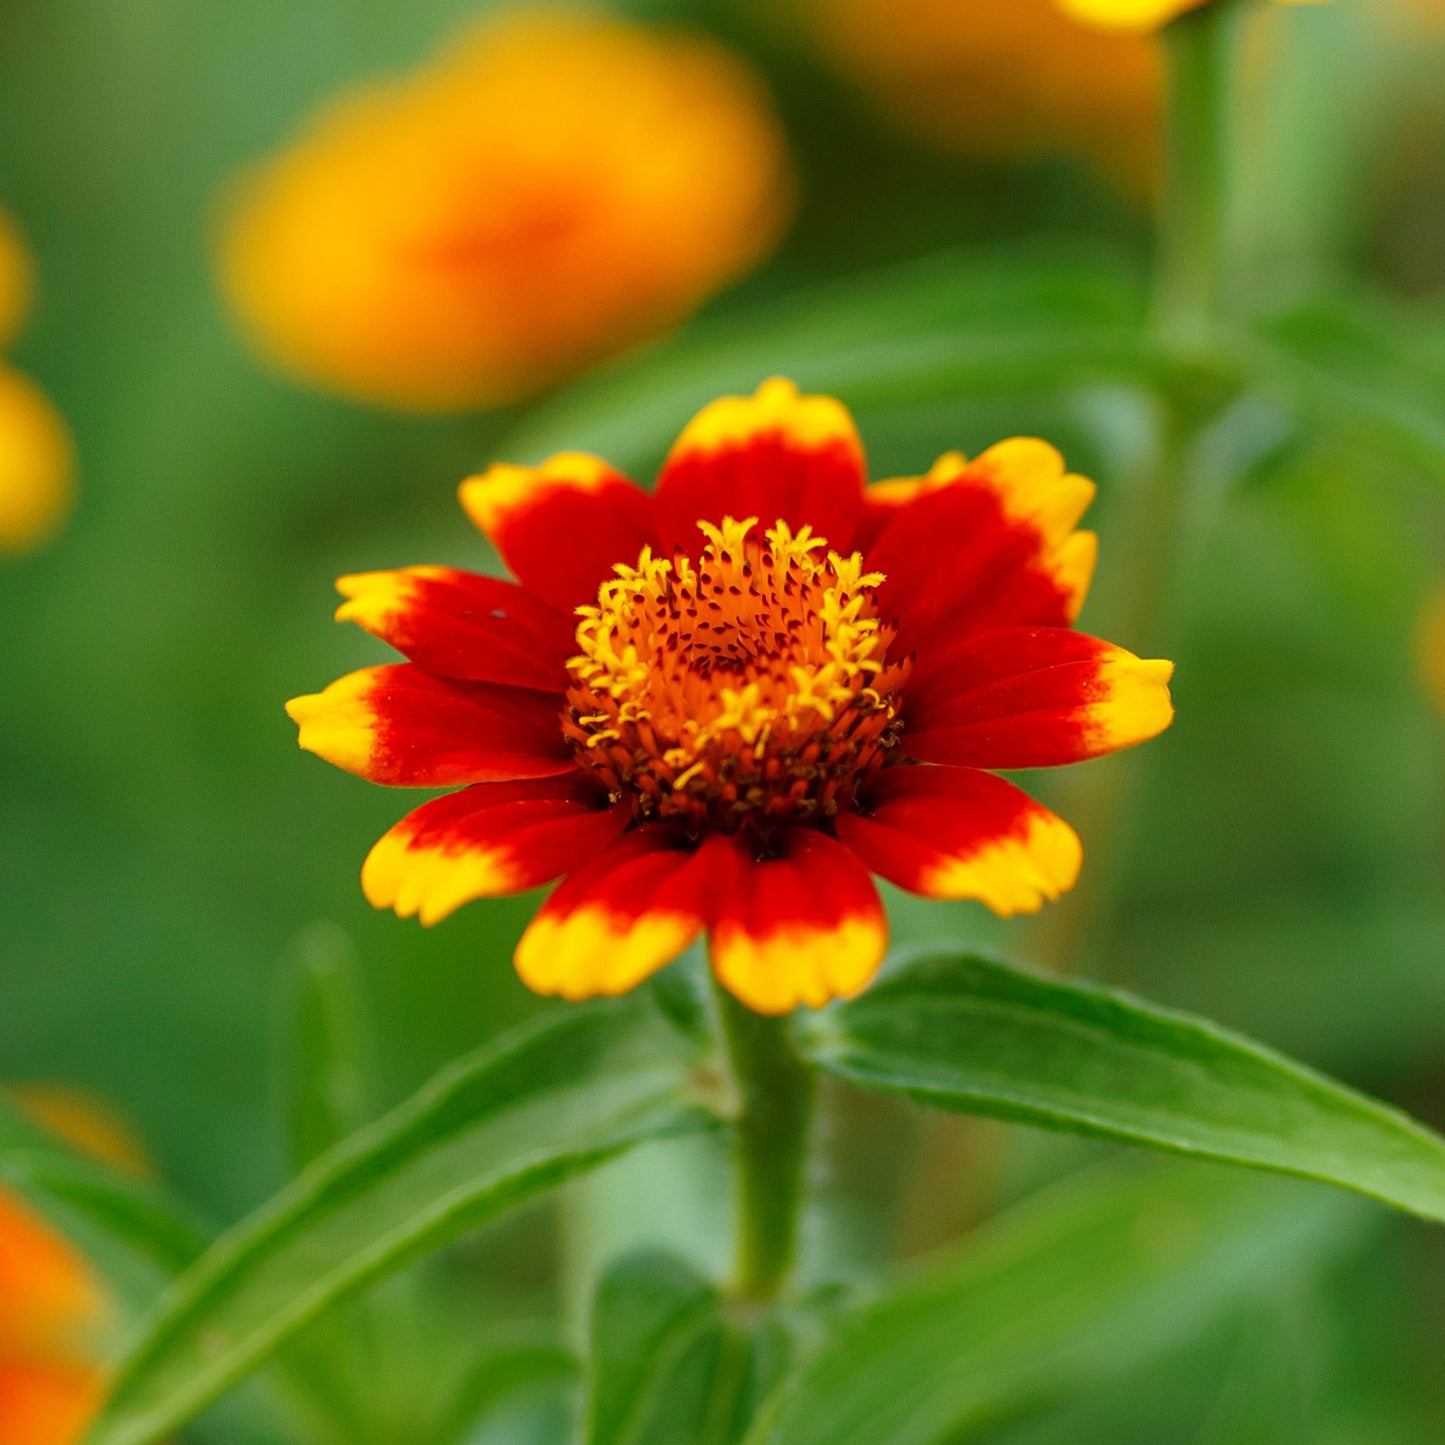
1139, 14
719, 706
554, 189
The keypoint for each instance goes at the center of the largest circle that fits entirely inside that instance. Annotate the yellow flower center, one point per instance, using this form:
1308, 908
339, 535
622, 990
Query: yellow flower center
749, 690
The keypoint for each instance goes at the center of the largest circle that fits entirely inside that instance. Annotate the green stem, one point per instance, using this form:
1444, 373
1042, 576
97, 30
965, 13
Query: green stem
1191, 298
1192, 267
770, 1144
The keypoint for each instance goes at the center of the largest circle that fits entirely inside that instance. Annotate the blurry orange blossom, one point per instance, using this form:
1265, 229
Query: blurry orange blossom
52, 1307
1139, 15
550, 190
977, 75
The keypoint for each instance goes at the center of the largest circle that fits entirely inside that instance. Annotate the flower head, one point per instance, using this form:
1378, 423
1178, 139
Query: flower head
556, 187
719, 707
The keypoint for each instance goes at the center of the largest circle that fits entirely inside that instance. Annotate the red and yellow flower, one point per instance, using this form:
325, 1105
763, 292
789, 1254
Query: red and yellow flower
720, 707
555, 187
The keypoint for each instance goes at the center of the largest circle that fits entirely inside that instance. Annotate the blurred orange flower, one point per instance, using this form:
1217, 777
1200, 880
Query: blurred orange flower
977, 75
552, 189
52, 1307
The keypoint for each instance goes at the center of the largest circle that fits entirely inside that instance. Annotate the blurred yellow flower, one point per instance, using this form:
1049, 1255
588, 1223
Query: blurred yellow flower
553, 189
37, 464
977, 75
15, 280
1138, 15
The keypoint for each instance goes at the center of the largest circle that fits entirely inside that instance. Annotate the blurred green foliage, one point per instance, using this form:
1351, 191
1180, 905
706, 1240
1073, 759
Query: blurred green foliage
163, 844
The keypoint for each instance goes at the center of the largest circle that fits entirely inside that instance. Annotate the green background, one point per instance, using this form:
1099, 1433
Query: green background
163, 843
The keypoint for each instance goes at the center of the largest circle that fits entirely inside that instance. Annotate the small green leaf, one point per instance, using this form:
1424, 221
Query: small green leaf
122, 1222
908, 334
1082, 1284
1361, 368
978, 1037
557, 1097
673, 1362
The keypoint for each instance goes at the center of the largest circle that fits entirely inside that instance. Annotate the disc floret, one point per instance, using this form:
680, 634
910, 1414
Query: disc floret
747, 690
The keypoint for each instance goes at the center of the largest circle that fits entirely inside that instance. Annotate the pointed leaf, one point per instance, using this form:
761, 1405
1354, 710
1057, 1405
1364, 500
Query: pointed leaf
1084, 1283
560, 1096
978, 1037
910, 333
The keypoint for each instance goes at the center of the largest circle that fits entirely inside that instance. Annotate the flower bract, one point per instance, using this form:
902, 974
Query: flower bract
721, 706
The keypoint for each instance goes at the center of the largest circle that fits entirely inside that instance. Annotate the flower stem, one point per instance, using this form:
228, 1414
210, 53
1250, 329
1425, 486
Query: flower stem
1190, 305
770, 1144
1192, 266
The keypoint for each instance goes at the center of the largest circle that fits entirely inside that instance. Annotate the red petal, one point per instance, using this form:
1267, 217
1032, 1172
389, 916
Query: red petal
957, 833
462, 625
802, 928
488, 841
406, 728
619, 920
882, 502
988, 543
775, 456
1032, 697
562, 527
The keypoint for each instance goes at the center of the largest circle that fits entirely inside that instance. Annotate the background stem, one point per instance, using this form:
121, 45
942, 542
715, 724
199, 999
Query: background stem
1192, 261
771, 1135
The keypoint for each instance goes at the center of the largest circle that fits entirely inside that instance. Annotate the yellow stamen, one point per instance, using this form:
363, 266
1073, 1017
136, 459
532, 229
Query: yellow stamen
750, 688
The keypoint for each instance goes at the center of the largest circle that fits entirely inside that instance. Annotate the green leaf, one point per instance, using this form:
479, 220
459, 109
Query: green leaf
672, 1363
909, 334
122, 1222
1362, 368
504, 1373
560, 1096
326, 1087
1084, 1283
978, 1037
